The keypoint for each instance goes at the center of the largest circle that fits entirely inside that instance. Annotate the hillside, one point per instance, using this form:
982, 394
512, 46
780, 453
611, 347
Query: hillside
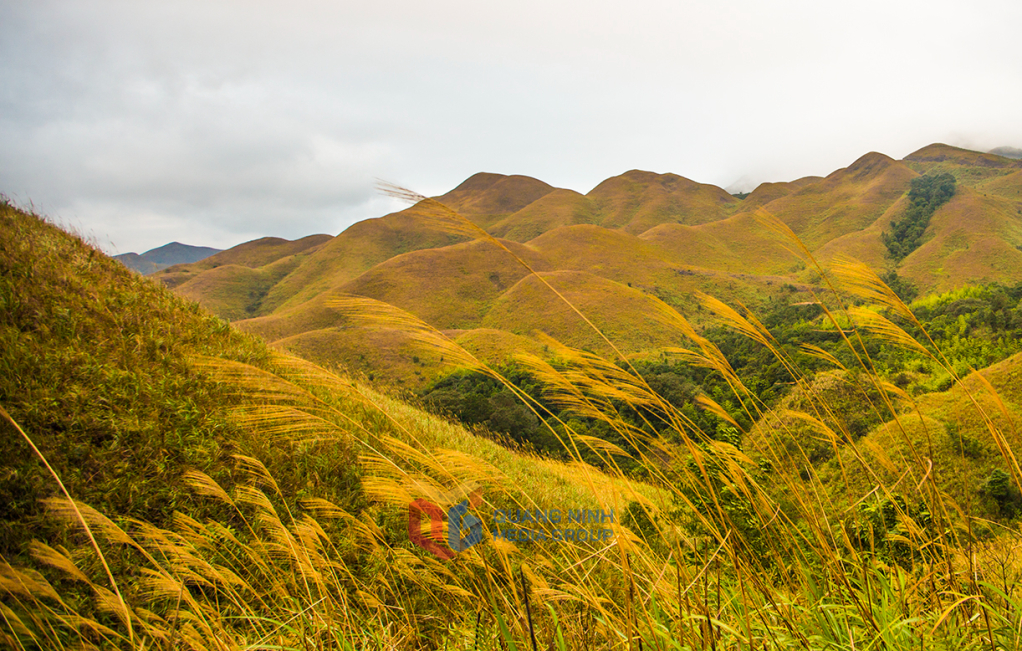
660, 234
1007, 152
98, 375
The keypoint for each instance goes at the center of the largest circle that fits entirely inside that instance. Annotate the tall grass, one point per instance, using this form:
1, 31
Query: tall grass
745, 543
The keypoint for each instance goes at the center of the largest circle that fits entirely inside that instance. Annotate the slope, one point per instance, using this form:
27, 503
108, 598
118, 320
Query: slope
973, 238
355, 251
738, 244
257, 253
450, 287
232, 284
557, 208
847, 200
767, 192
637, 201
486, 198
655, 266
969, 167
104, 380
97, 373
949, 431
625, 315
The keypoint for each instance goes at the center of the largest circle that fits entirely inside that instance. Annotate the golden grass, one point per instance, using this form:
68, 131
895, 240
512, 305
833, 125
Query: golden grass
623, 313
486, 198
637, 201
767, 192
558, 208
355, 251
691, 237
495, 347
450, 287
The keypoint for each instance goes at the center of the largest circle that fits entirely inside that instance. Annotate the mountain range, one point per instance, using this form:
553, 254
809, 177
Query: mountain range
633, 238
165, 256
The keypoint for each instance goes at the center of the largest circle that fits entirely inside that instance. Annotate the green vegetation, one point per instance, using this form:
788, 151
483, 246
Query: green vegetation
928, 193
974, 328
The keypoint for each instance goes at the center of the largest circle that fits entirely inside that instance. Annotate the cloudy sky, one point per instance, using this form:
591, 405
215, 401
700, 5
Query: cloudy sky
215, 122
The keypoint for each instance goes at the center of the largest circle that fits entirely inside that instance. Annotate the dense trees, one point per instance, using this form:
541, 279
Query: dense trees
927, 193
974, 327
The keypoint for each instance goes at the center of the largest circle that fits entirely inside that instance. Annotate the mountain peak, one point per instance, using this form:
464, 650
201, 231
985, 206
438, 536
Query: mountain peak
870, 163
939, 152
479, 182
165, 256
491, 194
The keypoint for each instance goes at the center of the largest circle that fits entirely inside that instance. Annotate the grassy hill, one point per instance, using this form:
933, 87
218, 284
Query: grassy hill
633, 202
555, 209
486, 198
764, 193
98, 374
660, 234
637, 201
355, 251
451, 287
973, 236
847, 200
624, 314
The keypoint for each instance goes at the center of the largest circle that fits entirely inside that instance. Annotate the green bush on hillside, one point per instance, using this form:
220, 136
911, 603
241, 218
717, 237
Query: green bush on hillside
927, 193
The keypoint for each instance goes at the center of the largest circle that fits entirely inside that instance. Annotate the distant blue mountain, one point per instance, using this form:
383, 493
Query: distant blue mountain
165, 256
1007, 152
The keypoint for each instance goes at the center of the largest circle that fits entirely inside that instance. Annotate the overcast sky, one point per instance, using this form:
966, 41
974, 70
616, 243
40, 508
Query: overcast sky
213, 123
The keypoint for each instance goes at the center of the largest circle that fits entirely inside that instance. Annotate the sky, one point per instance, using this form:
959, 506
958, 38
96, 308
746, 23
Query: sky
212, 123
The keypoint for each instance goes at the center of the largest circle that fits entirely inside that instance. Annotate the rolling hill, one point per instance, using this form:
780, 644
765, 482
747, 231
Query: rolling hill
657, 234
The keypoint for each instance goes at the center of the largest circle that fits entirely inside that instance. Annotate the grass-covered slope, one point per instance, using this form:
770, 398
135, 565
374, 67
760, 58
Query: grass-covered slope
624, 314
359, 248
558, 208
96, 372
450, 287
637, 201
739, 535
969, 167
847, 200
660, 234
487, 198
200, 461
973, 238
767, 192
252, 255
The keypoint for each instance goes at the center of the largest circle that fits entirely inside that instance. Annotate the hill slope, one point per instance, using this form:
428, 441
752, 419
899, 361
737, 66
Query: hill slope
98, 375
660, 234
